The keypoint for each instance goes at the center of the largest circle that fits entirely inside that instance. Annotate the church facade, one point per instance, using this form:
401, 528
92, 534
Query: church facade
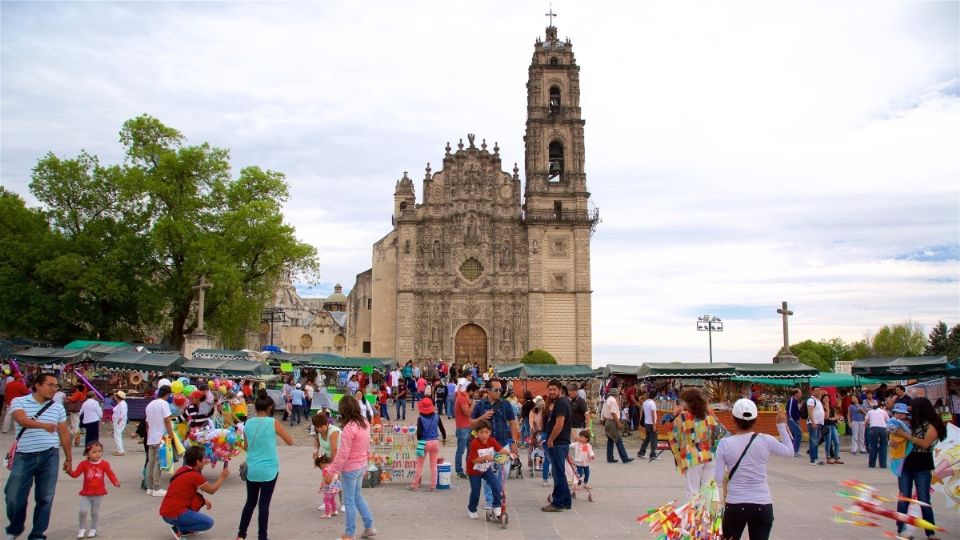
471, 272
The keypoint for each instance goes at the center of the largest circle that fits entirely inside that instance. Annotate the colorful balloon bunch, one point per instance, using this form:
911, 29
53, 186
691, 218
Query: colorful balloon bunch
221, 444
697, 519
868, 508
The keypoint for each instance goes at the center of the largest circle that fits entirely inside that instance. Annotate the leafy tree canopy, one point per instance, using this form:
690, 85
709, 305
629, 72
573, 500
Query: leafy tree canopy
538, 356
902, 339
943, 341
117, 249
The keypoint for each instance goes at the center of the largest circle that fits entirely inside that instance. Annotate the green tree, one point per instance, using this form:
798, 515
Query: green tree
117, 249
860, 349
814, 354
538, 356
902, 339
943, 341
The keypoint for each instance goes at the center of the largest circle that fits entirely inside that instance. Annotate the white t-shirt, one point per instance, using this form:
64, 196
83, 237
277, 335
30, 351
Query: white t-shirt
120, 413
877, 418
818, 415
395, 378
610, 408
156, 411
650, 412
90, 411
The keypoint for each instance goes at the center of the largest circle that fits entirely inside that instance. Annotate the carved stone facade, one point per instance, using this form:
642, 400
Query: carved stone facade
471, 274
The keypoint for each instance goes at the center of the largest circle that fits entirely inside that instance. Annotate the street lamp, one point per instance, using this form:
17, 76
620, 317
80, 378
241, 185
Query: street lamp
709, 324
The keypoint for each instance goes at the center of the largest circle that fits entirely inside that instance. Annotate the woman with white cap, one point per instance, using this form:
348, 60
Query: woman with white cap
744, 454
119, 421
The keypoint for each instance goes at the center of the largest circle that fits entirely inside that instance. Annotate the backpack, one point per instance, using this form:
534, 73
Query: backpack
804, 412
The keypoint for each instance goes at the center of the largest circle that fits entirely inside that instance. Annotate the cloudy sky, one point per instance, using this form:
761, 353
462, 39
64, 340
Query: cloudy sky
741, 153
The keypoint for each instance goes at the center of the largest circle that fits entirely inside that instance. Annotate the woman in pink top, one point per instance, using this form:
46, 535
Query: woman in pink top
351, 463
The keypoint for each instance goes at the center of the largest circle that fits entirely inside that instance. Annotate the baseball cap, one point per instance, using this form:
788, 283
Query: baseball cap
745, 409
901, 408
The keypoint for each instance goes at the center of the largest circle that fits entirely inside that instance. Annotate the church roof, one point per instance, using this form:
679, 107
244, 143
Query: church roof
340, 317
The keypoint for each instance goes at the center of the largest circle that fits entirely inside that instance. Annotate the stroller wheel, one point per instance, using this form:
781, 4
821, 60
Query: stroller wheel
590, 497
504, 519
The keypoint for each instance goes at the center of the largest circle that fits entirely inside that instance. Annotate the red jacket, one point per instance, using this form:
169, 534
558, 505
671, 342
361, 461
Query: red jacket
93, 473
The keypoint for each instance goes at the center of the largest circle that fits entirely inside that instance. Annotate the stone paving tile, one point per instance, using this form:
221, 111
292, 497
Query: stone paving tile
802, 495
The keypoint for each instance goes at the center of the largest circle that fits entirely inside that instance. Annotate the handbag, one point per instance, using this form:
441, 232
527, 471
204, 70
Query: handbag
243, 466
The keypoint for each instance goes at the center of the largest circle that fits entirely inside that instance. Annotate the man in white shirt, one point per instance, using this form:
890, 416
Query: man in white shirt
815, 418
877, 436
158, 424
395, 378
613, 427
650, 425
90, 414
119, 421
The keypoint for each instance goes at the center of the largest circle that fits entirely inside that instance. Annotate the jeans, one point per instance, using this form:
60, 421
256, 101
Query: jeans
561, 491
813, 431
545, 469
756, 518
36, 467
191, 522
463, 439
524, 429
258, 496
614, 438
450, 403
384, 412
503, 472
796, 434
922, 480
651, 440
831, 442
584, 472
441, 403
296, 409
877, 446
353, 500
401, 408
489, 477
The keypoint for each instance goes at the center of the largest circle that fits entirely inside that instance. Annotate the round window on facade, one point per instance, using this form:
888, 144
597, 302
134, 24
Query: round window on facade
471, 269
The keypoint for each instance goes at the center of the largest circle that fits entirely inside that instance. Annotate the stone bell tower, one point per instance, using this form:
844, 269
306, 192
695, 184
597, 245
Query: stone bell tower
556, 206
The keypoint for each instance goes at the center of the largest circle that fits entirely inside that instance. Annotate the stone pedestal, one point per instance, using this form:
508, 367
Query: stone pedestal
785, 356
192, 342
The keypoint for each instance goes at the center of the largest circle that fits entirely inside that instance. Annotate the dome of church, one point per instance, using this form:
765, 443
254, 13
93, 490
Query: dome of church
337, 297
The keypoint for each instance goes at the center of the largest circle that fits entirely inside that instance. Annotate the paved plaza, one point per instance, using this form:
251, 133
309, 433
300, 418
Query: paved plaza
802, 495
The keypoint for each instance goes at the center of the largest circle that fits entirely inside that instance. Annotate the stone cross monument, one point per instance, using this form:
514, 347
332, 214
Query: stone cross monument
201, 288
198, 339
785, 356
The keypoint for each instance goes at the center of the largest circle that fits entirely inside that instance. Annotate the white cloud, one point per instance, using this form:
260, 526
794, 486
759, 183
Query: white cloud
741, 154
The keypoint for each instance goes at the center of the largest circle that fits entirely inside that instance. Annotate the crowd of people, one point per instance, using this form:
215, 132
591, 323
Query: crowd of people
491, 426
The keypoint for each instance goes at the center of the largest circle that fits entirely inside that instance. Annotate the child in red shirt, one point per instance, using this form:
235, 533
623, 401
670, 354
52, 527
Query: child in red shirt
480, 459
94, 488
383, 399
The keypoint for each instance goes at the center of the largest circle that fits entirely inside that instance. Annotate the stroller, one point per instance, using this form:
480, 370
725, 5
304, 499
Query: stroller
575, 482
536, 456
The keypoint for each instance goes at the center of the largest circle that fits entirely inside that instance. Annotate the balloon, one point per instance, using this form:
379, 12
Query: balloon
223, 390
189, 389
229, 385
176, 387
185, 381
232, 439
211, 385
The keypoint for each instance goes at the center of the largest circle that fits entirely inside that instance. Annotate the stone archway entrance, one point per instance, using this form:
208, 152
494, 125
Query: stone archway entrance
471, 346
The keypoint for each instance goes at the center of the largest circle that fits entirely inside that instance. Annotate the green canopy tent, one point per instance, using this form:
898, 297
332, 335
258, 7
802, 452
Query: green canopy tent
140, 361
837, 380
618, 370
681, 370
275, 358
83, 344
904, 367
42, 356
510, 372
203, 366
555, 371
221, 354
774, 371
244, 368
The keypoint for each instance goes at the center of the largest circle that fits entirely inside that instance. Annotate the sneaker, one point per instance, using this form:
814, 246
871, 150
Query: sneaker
343, 508
159, 492
814, 463
640, 455
546, 483
654, 457
820, 463
551, 508
92, 533
176, 532
82, 533
472, 515
149, 491
497, 511
461, 475
368, 533
628, 460
796, 454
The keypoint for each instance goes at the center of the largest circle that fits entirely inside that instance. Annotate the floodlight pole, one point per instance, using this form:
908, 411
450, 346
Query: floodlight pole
709, 323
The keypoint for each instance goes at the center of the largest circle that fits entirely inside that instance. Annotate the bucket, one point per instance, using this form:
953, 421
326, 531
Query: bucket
443, 476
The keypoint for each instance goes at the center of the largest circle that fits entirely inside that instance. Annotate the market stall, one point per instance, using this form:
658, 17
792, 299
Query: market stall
131, 371
904, 367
